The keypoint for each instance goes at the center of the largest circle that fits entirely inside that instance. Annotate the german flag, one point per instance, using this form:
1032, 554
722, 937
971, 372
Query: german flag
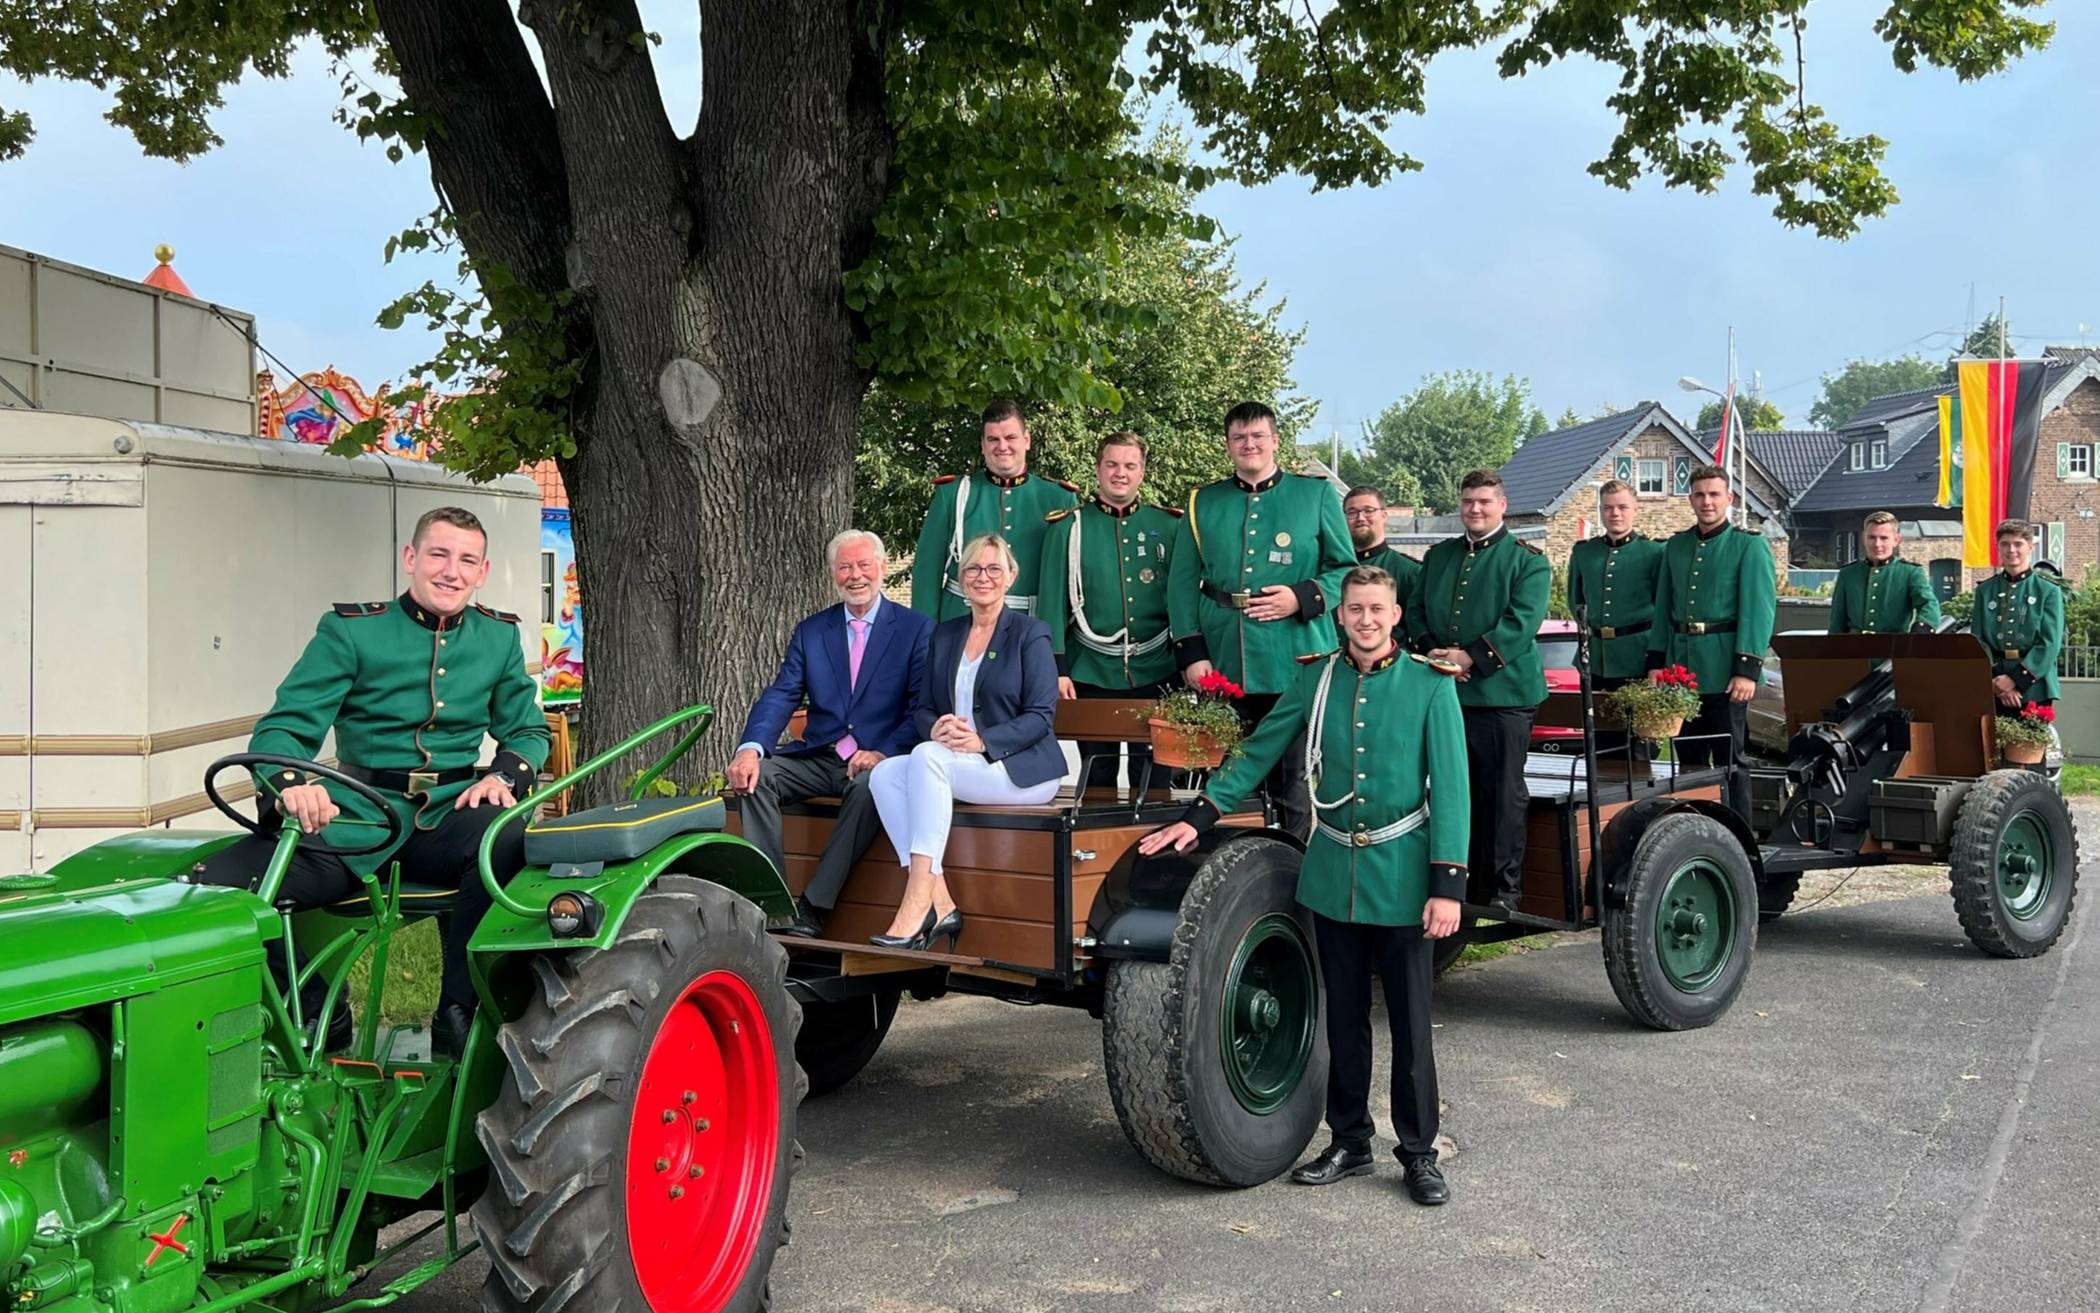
2000, 411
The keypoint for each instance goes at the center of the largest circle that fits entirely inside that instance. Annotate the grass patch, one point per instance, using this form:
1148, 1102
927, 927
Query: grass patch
412, 967
2081, 780
1477, 953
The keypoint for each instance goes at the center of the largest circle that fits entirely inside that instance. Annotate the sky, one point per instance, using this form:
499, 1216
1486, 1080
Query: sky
1501, 255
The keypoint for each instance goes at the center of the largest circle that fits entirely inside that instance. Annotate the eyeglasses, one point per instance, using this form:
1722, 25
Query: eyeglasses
983, 571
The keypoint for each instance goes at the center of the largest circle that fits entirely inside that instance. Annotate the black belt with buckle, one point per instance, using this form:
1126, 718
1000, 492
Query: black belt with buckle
1698, 627
2013, 653
1237, 601
1621, 631
410, 783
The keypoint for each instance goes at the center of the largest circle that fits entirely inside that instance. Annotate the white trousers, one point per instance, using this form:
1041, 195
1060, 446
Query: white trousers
916, 796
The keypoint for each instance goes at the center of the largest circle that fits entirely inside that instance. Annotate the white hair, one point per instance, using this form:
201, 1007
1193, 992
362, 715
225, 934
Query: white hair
845, 538
984, 540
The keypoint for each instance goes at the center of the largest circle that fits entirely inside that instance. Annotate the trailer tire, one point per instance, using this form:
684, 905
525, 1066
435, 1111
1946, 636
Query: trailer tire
643, 1136
838, 1039
2013, 870
1678, 949
1216, 1062
1776, 895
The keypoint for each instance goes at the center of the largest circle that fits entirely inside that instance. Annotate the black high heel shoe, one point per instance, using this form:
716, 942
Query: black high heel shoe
918, 940
949, 927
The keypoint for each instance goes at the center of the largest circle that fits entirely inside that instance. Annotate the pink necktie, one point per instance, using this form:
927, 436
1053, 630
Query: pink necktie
855, 639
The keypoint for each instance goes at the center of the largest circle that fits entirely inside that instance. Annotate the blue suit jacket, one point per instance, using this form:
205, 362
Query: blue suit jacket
877, 712
1016, 694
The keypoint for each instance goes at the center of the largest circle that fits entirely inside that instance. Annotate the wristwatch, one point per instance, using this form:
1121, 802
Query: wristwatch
504, 776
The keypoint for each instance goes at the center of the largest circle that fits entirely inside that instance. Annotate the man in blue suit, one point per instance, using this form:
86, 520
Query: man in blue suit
859, 666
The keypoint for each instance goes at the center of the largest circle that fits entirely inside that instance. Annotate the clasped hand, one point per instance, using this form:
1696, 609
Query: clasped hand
954, 733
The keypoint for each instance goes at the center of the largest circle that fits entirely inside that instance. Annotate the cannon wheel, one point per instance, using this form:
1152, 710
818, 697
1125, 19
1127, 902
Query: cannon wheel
2014, 866
640, 1146
838, 1039
1215, 1060
1678, 951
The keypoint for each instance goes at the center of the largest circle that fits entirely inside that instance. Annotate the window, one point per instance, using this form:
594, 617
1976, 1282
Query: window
1652, 475
1858, 460
1878, 453
2077, 461
547, 587
1847, 547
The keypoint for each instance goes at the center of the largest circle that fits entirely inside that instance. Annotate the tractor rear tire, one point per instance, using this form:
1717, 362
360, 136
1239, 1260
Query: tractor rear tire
2013, 870
838, 1039
1216, 1061
641, 1143
1776, 895
1678, 951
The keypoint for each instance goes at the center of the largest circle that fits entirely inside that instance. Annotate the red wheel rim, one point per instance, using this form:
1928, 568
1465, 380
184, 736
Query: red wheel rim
702, 1146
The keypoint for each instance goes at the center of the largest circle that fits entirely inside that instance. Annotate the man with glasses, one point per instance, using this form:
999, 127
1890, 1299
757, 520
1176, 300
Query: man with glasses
1365, 511
1256, 565
1003, 498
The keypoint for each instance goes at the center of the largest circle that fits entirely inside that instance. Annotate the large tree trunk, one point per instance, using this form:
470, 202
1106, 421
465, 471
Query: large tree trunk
715, 428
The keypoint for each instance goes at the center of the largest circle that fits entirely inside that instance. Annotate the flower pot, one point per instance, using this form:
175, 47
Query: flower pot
2023, 754
1184, 749
1658, 727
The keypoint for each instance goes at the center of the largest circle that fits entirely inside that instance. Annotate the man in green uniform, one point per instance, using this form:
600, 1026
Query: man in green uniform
1104, 596
1364, 509
410, 688
1002, 498
1379, 738
1718, 598
1882, 594
1477, 605
1611, 588
1252, 573
2019, 619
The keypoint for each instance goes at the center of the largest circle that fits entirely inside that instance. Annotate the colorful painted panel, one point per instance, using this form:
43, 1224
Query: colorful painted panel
561, 611
316, 407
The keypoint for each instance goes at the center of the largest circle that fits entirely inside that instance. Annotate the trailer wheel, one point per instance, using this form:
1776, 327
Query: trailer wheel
1678, 951
1776, 895
1444, 953
1215, 1060
641, 1143
838, 1039
2014, 866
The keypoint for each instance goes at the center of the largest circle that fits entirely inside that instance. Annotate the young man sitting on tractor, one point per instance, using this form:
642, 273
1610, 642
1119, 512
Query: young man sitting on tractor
1384, 871
410, 687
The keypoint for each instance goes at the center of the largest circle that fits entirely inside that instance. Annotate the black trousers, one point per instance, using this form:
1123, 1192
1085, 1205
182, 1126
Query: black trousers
1497, 738
1717, 715
446, 854
1100, 759
1349, 953
1285, 783
783, 780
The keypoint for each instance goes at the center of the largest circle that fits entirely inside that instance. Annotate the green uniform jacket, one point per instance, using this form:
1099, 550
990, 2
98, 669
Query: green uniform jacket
1616, 581
1725, 579
1402, 568
1489, 600
1891, 598
2020, 622
1394, 737
405, 689
1240, 538
1012, 508
1123, 581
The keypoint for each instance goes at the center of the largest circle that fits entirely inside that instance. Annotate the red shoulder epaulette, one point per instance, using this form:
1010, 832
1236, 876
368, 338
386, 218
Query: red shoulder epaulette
1058, 514
1068, 487
940, 479
1174, 511
352, 610
493, 614
1311, 657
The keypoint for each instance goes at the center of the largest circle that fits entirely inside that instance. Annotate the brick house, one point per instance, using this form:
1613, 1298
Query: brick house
1552, 481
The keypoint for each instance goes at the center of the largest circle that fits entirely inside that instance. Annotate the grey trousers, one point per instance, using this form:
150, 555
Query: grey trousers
784, 780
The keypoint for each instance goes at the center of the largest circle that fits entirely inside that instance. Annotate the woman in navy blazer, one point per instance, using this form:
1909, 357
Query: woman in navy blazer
985, 712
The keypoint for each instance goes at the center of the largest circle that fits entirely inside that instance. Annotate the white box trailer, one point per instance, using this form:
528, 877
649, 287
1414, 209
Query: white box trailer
158, 582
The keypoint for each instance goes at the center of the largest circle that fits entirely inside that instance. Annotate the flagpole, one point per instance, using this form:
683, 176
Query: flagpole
1735, 418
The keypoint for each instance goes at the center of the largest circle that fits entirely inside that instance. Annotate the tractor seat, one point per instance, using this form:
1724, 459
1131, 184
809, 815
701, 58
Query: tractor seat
416, 900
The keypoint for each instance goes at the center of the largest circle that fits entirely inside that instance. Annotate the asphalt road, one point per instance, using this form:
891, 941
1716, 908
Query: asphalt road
1887, 1120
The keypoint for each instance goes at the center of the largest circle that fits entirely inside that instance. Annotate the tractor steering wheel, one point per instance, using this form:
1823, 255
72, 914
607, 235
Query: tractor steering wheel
392, 824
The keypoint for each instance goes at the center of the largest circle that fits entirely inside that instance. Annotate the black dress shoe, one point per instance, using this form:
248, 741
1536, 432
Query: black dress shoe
1505, 903
1426, 1184
340, 1034
808, 922
448, 1030
1334, 1163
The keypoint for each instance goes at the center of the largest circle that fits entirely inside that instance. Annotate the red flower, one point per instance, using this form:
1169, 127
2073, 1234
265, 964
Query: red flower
2036, 711
1217, 685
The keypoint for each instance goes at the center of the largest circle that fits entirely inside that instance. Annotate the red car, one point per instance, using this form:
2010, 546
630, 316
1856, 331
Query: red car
1557, 654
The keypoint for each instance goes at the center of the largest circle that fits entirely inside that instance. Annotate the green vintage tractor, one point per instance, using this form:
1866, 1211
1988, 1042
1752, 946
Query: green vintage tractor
617, 1133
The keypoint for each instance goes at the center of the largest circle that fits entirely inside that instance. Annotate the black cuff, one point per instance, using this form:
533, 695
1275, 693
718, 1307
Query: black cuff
1188, 651
1447, 880
1921, 628
282, 779
1749, 667
1064, 664
1652, 660
1312, 603
516, 767
1201, 815
2022, 677
1486, 660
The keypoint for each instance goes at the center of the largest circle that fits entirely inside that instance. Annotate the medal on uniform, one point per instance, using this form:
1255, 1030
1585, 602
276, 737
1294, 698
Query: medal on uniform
1283, 539
1145, 575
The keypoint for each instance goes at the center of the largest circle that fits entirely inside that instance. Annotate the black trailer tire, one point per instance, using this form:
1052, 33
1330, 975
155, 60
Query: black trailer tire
1198, 1090
2013, 869
588, 1177
1776, 895
1444, 953
1678, 951
838, 1039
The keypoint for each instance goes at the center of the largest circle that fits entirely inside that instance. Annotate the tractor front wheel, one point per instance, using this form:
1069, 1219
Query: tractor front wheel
641, 1144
